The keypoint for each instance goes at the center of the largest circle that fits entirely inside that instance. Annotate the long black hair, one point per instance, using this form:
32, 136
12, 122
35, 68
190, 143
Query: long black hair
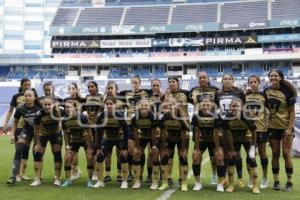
22, 82
50, 84
95, 84
284, 83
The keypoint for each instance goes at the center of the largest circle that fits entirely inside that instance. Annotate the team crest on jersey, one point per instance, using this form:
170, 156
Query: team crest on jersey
274, 105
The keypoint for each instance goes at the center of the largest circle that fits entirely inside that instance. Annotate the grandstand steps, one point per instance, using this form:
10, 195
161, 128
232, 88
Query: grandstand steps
171, 14
77, 17
123, 16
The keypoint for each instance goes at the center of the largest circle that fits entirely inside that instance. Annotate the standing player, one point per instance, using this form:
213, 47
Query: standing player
206, 136
181, 96
174, 130
48, 89
132, 98
256, 106
47, 127
114, 131
223, 99
76, 135
74, 95
196, 94
112, 90
27, 111
18, 100
240, 131
281, 98
93, 107
144, 130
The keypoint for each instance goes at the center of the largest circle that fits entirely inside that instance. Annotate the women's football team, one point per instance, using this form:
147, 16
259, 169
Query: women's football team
136, 120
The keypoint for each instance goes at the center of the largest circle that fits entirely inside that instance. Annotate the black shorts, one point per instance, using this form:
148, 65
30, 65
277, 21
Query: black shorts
17, 133
107, 145
207, 145
53, 139
171, 144
26, 134
277, 134
76, 146
262, 137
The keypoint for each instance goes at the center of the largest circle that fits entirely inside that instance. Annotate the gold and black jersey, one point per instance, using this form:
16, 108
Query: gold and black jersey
16, 101
27, 114
206, 125
48, 122
224, 98
57, 99
132, 99
93, 106
173, 126
112, 127
80, 102
144, 125
74, 127
278, 102
239, 127
197, 94
155, 102
255, 108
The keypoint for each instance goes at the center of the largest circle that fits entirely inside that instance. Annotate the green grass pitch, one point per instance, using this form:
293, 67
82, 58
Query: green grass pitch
78, 191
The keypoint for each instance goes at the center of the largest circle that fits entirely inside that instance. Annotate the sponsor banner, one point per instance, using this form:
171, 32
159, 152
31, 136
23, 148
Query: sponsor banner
134, 29
284, 23
160, 43
244, 25
76, 44
278, 38
139, 43
181, 42
278, 51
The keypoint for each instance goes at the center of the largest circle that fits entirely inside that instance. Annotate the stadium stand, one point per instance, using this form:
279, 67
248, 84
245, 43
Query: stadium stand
197, 13
147, 15
285, 9
235, 12
96, 16
65, 17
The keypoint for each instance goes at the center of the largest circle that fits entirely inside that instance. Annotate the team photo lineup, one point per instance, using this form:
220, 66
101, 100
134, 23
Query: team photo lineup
139, 121
150, 99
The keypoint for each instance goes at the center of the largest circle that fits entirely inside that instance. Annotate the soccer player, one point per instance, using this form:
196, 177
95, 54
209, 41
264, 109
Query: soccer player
155, 99
181, 96
93, 107
174, 131
239, 129
48, 89
256, 106
112, 90
76, 134
18, 100
206, 136
196, 94
223, 99
281, 98
132, 98
74, 95
144, 130
114, 131
27, 112
47, 128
